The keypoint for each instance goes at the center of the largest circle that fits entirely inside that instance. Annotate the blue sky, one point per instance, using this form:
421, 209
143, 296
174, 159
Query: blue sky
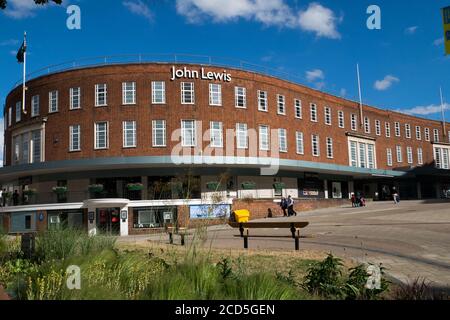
402, 65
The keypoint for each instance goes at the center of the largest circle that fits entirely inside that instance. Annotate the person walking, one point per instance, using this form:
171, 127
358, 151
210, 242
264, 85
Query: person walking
284, 206
1, 197
290, 203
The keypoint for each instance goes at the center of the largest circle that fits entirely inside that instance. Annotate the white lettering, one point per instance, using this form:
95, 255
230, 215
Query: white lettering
196, 74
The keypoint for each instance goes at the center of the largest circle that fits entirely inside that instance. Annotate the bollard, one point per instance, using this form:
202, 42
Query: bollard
27, 245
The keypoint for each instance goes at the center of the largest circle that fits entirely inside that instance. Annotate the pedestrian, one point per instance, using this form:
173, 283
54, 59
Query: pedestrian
1, 197
396, 197
290, 203
353, 199
16, 198
284, 206
4, 197
269, 213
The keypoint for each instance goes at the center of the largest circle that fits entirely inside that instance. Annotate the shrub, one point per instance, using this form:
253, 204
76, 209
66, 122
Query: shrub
418, 289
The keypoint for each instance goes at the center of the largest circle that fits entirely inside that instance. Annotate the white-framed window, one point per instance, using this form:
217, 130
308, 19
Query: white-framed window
329, 148
9, 117
408, 131
441, 156
18, 111
101, 95
409, 155
378, 127
389, 157
313, 112
399, 154
101, 135
315, 147
187, 93
281, 104
366, 125
353, 150
327, 111
362, 153
35, 108
241, 136
397, 129
53, 101
262, 100
36, 150
419, 156
26, 147
341, 119
216, 135
158, 133
418, 133
75, 137
128, 92
299, 142
436, 135
353, 122
448, 136
387, 129
240, 97
215, 94
264, 138
129, 134
298, 108
427, 134
158, 92
75, 97
371, 156
188, 133
282, 140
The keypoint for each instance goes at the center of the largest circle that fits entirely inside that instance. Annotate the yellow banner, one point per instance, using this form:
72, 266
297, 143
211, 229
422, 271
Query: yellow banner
446, 19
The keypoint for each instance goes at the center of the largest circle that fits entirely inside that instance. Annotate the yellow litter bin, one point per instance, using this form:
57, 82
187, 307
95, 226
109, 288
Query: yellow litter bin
241, 215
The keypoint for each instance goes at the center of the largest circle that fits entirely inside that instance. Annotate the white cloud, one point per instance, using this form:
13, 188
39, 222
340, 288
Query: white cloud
138, 7
411, 30
425, 110
19, 9
343, 92
316, 18
9, 42
386, 83
314, 75
438, 42
320, 20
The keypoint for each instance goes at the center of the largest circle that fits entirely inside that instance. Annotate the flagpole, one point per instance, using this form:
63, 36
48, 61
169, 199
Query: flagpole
360, 97
442, 111
24, 72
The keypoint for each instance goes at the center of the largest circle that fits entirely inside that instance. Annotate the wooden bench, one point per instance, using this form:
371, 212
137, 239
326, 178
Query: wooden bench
182, 232
294, 227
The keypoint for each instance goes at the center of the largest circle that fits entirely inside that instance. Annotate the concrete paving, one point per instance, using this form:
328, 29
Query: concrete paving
411, 239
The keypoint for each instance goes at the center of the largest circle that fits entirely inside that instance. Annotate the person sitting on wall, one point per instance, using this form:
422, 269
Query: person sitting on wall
269, 213
284, 206
290, 204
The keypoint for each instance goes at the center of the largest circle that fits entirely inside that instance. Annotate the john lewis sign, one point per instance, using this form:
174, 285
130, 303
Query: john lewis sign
185, 73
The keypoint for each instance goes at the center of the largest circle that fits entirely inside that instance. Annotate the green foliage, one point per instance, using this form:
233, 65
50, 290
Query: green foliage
418, 289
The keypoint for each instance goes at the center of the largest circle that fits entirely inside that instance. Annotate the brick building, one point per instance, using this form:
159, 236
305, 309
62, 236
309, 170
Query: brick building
127, 148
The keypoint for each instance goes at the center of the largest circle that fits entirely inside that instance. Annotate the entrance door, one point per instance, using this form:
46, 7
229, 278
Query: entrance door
108, 220
337, 190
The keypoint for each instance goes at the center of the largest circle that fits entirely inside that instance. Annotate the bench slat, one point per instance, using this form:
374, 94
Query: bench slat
268, 225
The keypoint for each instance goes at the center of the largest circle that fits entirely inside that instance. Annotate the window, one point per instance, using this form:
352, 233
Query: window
158, 92
215, 94
419, 156
418, 133
53, 101
9, 117
262, 100
282, 141
264, 138
327, 116
216, 134
128, 92
341, 119
408, 131
378, 127
389, 157
313, 111
427, 134
36, 149
387, 127
129, 134
187, 93
188, 133
101, 95
353, 154
281, 104
241, 135
353, 121
18, 111
362, 153
74, 133
240, 97
366, 125
329, 148
448, 135
399, 154
442, 156
397, 129
315, 148
437, 157
101, 135
75, 98
299, 140
35, 106
371, 156
159, 133
298, 108
436, 135
409, 155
